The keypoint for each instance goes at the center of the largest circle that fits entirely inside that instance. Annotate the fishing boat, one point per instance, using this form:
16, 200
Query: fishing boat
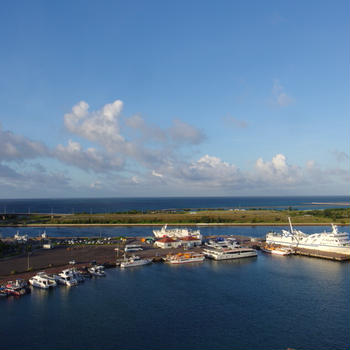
134, 261
41, 280
184, 258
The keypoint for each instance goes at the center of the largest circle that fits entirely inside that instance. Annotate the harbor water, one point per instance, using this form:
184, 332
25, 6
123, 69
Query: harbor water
268, 302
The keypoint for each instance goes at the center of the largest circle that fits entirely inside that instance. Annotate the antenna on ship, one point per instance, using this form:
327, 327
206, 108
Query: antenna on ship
290, 225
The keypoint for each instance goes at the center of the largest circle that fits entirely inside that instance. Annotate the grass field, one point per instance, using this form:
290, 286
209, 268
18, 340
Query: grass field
326, 216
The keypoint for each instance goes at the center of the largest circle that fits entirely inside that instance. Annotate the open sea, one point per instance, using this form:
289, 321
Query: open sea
267, 302
110, 205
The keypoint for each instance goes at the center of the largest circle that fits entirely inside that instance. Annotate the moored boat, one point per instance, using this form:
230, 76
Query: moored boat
183, 258
41, 280
66, 277
17, 287
332, 242
134, 261
277, 251
97, 270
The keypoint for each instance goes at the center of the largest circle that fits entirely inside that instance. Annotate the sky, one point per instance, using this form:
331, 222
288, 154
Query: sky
174, 98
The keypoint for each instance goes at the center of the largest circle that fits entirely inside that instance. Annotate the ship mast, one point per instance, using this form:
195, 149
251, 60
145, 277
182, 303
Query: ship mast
290, 225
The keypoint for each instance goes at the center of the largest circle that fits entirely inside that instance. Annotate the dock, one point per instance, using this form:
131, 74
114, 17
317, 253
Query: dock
322, 255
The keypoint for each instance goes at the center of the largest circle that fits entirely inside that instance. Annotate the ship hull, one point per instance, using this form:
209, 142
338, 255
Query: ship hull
323, 248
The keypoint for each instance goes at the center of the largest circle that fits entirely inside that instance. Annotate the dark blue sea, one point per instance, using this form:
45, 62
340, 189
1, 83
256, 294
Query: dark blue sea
266, 302
110, 205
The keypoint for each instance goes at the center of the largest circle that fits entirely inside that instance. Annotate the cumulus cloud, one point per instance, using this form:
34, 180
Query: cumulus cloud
279, 96
89, 159
277, 171
101, 126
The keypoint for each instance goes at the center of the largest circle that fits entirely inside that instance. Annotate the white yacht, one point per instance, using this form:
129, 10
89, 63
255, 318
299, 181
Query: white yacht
41, 280
97, 270
134, 261
229, 253
176, 233
66, 277
334, 241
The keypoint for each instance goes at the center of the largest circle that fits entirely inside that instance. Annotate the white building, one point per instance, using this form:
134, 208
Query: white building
167, 242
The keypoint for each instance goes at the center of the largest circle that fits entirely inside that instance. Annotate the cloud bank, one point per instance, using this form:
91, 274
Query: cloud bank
128, 156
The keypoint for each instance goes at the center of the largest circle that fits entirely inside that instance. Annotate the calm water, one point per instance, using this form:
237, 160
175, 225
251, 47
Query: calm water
257, 303
108, 205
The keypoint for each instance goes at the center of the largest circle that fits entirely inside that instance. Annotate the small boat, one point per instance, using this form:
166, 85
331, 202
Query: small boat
97, 270
66, 277
17, 287
3, 292
41, 280
277, 251
183, 258
134, 261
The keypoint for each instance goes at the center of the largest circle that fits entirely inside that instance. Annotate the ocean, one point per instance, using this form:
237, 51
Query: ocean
267, 302
110, 205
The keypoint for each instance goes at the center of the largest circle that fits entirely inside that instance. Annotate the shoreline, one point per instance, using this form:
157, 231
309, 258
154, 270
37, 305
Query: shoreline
180, 224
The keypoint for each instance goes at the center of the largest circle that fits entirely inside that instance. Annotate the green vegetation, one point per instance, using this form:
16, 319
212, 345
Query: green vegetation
185, 216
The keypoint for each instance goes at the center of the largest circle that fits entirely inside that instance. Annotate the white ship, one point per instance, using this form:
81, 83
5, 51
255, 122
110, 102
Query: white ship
334, 241
176, 232
229, 253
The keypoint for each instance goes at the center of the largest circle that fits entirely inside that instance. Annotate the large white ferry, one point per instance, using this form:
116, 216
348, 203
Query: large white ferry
229, 253
334, 241
176, 232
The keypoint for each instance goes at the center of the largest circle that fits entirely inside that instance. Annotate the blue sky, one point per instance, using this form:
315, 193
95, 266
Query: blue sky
157, 98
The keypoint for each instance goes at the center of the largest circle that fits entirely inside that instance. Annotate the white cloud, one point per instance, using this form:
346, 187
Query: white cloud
89, 159
280, 97
154, 173
100, 126
277, 171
